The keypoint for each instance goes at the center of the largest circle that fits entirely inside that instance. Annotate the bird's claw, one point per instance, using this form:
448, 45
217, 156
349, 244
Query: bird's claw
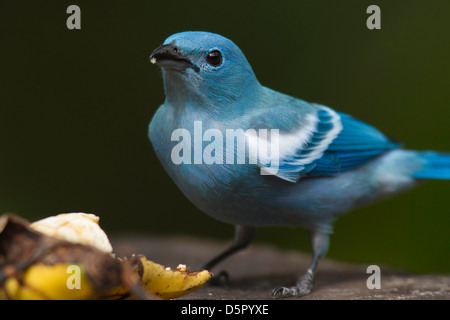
302, 288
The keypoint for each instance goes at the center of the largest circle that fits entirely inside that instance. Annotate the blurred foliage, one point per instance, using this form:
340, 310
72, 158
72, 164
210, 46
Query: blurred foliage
75, 106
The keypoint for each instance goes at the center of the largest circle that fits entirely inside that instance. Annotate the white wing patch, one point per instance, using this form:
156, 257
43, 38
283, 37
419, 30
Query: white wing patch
290, 155
328, 136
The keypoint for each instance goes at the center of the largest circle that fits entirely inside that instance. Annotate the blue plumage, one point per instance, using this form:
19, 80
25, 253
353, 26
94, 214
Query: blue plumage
321, 163
355, 145
436, 166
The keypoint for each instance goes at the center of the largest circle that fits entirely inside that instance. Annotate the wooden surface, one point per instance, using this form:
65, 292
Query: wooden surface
255, 272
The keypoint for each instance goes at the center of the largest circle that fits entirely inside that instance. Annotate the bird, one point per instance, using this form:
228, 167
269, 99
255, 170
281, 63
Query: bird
322, 163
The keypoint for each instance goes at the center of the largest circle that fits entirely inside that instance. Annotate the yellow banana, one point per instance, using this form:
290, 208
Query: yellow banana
166, 283
48, 282
47, 260
161, 281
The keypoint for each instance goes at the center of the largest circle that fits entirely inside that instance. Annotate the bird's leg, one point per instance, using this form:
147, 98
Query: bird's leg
319, 243
243, 235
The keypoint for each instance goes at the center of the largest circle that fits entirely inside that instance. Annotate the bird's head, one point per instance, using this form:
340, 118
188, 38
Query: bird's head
204, 67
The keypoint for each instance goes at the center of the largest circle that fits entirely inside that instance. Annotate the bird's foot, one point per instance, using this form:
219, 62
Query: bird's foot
302, 288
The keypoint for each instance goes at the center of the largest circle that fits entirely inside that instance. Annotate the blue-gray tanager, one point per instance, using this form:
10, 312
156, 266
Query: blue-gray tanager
251, 156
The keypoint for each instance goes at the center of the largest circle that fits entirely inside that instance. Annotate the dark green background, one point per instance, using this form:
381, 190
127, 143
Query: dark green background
75, 106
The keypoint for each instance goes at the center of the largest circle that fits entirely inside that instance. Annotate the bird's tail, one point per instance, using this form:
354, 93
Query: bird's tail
436, 165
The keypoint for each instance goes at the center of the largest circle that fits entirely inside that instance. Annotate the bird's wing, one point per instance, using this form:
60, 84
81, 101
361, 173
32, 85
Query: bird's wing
325, 143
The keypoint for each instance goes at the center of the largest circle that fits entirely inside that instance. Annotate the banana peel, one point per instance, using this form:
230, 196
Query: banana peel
167, 283
162, 281
34, 265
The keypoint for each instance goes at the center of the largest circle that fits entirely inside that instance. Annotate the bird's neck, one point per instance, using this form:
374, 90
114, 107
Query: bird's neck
217, 105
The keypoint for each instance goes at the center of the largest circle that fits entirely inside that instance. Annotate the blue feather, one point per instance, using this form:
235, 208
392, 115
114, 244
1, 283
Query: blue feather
355, 145
437, 166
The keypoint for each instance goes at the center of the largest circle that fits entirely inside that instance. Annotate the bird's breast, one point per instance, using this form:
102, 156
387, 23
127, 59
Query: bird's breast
193, 151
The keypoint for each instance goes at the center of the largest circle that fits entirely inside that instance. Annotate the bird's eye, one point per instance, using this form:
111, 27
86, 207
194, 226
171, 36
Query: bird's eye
214, 58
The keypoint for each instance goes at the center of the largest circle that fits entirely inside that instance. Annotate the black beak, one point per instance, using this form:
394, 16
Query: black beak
169, 56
